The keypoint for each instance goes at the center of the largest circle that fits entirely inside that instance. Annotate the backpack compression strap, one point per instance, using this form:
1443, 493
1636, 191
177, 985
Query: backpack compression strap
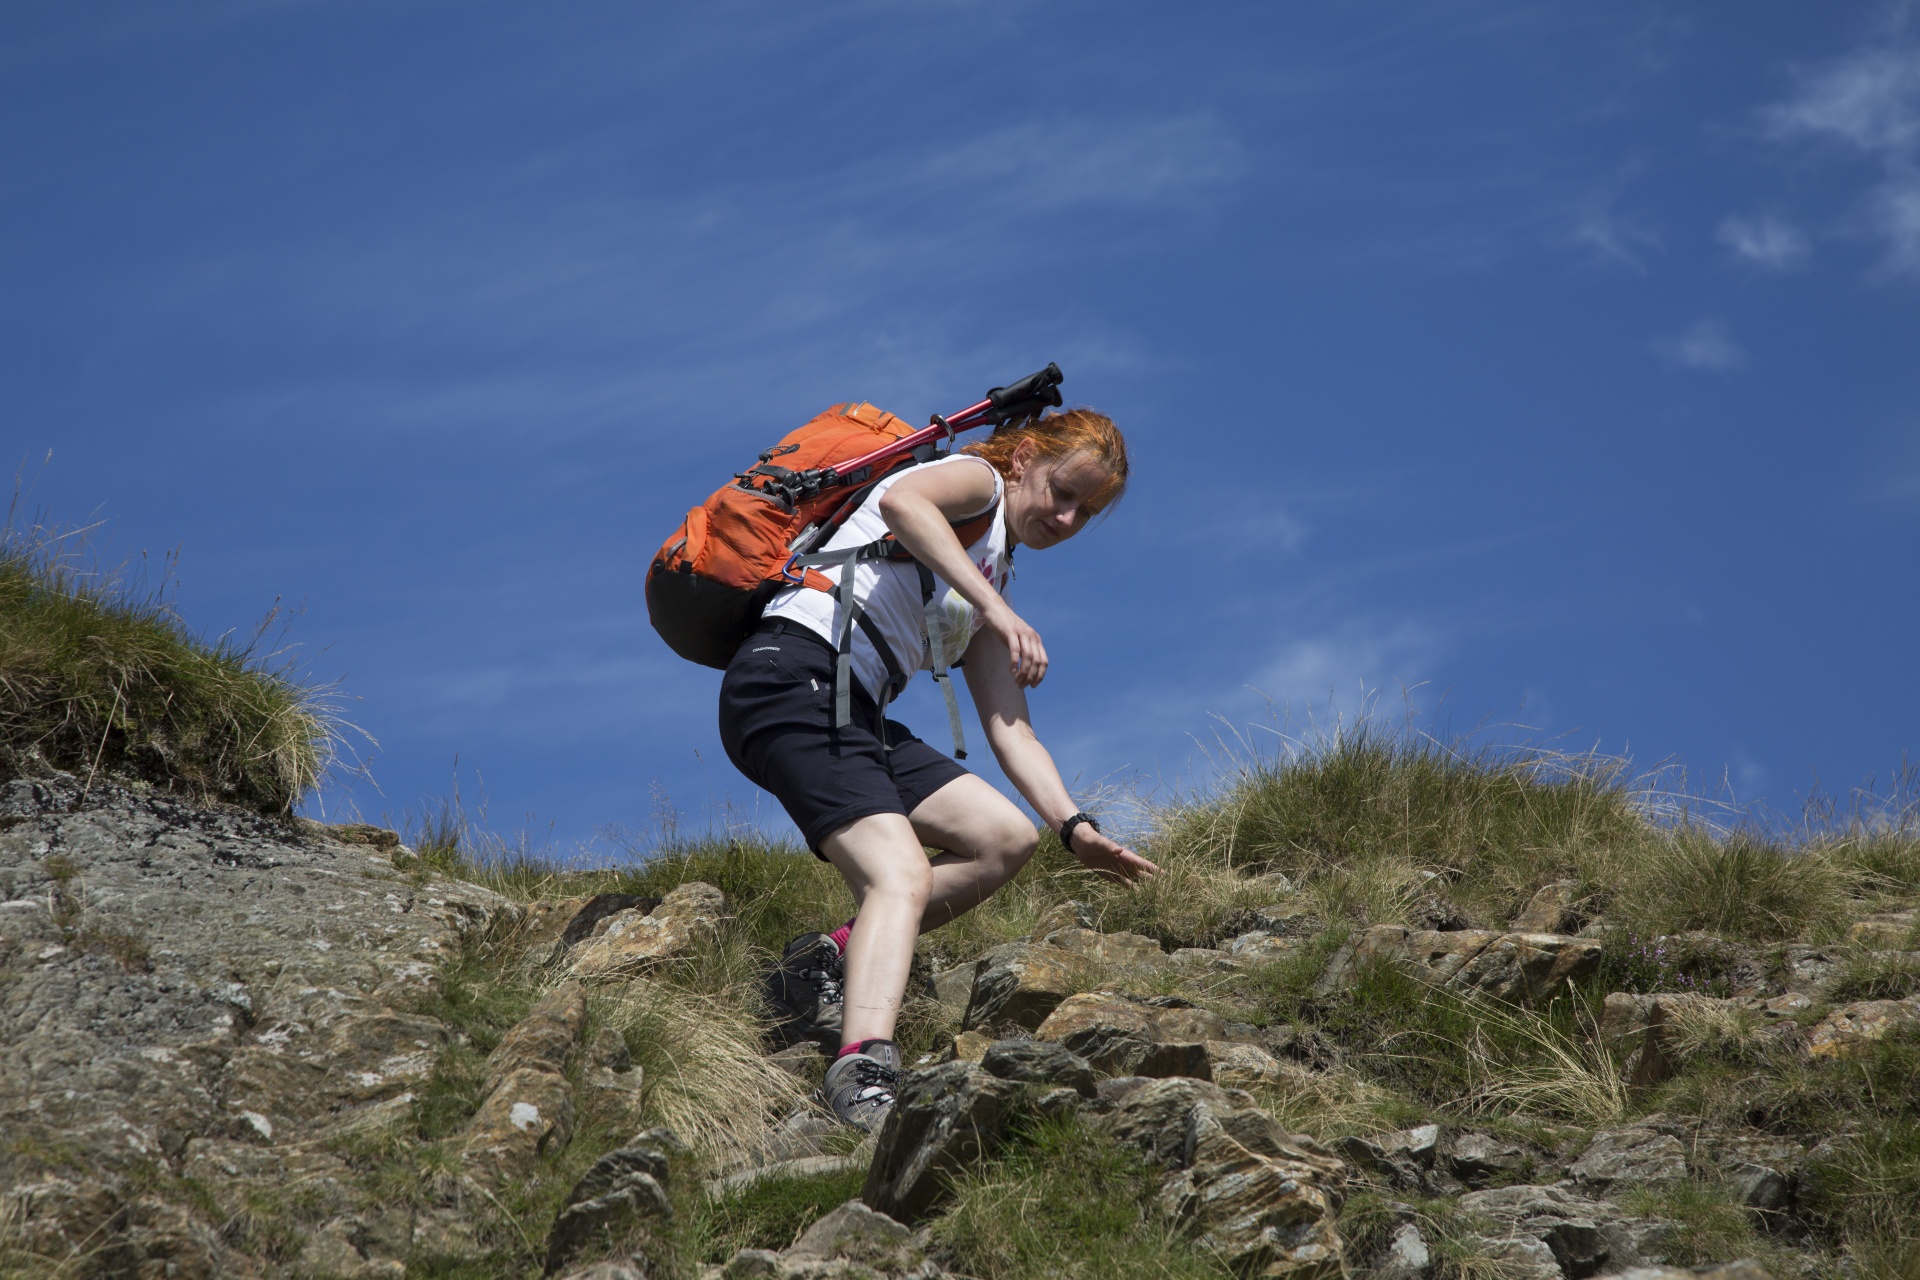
850, 615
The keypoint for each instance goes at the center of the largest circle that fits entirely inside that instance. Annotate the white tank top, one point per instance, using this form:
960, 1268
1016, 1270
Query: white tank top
889, 591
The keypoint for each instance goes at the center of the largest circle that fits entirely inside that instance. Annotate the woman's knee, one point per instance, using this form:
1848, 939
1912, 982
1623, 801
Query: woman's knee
1014, 843
911, 879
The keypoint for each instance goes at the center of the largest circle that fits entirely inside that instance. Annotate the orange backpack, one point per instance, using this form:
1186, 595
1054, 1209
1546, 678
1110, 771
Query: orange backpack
762, 533
709, 582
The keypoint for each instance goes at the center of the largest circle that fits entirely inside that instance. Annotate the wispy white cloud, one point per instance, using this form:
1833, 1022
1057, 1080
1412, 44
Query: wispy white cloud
1342, 668
1765, 241
1868, 101
1612, 236
1705, 344
1063, 161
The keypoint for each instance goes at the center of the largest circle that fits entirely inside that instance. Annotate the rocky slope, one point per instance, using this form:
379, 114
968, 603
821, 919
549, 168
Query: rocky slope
222, 1040
193, 1004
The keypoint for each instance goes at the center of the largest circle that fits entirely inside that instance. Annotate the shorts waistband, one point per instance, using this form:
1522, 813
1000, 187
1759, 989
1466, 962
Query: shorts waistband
788, 627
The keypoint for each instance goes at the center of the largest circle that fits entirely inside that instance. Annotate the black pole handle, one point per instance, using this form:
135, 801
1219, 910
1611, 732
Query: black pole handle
1026, 397
1033, 386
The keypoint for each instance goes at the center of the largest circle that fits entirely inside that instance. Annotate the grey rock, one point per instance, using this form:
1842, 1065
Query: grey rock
205, 977
1477, 1158
609, 1051
613, 1206
1040, 1062
1063, 1101
1418, 1144
1017, 984
1204, 958
1407, 1256
1550, 910
1263, 1199
1282, 920
1627, 1155
613, 1269
1519, 967
1745, 1269
752, 1264
1582, 1236
954, 987
1394, 1169
858, 1233
799, 1167
1132, 1035
1761, 1171
943, 1119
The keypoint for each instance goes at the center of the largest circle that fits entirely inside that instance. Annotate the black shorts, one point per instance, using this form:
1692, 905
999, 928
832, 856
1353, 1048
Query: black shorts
776, 722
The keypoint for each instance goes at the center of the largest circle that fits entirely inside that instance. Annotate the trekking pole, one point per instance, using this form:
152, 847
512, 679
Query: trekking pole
1022, 399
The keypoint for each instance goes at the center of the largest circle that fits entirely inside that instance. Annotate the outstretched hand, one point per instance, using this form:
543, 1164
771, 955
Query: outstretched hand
1109, 859
1027, 657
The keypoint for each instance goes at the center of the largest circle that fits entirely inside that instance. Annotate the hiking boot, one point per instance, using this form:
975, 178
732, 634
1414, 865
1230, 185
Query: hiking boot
859, 1086
804, 989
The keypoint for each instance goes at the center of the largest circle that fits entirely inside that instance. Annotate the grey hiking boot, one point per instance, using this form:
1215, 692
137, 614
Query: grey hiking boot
859, 1086
803, 991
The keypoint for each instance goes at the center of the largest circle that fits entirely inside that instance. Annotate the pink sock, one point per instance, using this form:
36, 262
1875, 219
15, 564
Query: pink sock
841, 935
847, 1049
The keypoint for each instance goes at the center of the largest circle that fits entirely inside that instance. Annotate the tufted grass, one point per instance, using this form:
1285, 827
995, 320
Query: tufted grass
99, 677
1067, 1203
770, 1214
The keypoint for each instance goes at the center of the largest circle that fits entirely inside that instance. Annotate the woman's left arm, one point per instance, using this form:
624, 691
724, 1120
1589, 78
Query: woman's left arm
1002, 704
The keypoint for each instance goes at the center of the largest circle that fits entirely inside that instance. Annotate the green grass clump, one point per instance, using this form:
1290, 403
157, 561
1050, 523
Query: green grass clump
1876, 975
95, 677
1066, 1203
1737, 888
1367, 797
769, 1214
1708, 1225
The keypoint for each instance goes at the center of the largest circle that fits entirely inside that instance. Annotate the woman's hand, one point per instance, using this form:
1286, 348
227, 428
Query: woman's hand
1027, 657
1109, 859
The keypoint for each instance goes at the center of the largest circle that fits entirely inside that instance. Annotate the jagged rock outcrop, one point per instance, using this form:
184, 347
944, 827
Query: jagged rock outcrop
1130, 1035
213, 995
618, 1205
853, 1242
943, 1118
631, 940
1265, 1200
1629, 1154
1848, 1030
1520, 967
1017, 984
1548, 1233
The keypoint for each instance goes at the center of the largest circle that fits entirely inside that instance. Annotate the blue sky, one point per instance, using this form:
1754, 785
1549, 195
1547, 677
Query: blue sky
1555, 362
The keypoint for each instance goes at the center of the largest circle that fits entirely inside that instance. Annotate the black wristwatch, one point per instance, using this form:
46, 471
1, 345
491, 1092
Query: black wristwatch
1066, 828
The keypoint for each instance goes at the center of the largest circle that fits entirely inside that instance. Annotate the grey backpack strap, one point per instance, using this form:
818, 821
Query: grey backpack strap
848, 615
933, 630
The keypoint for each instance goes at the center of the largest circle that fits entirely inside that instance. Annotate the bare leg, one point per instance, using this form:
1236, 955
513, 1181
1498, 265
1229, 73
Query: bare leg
888, 872
900, 893
986, 840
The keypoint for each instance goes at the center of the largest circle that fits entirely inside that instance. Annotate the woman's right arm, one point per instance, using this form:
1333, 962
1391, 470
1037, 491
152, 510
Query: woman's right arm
1002, 704
919, 509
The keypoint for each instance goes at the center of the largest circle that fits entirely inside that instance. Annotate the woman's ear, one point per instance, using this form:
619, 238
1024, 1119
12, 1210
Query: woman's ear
1021, 458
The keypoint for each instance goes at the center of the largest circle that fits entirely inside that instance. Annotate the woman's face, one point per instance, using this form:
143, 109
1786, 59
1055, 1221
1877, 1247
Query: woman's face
1046, 496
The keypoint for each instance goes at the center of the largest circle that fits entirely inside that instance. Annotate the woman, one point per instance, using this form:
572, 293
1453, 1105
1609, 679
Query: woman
871, 797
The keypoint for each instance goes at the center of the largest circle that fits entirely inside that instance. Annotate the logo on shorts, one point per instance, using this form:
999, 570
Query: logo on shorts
768, 648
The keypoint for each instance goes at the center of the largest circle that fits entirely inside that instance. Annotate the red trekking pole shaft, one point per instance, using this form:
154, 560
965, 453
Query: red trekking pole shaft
1027, 396
966, 420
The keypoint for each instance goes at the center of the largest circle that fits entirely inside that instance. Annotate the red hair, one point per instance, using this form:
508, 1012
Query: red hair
1059, 435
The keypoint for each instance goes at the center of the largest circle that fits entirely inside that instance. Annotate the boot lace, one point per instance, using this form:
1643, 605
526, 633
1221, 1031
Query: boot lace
872, 1079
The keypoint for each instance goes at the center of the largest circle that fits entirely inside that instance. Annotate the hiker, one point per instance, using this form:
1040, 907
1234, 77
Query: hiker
870, 797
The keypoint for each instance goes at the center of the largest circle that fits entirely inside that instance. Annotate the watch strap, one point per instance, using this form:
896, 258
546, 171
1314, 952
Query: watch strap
1066, 828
